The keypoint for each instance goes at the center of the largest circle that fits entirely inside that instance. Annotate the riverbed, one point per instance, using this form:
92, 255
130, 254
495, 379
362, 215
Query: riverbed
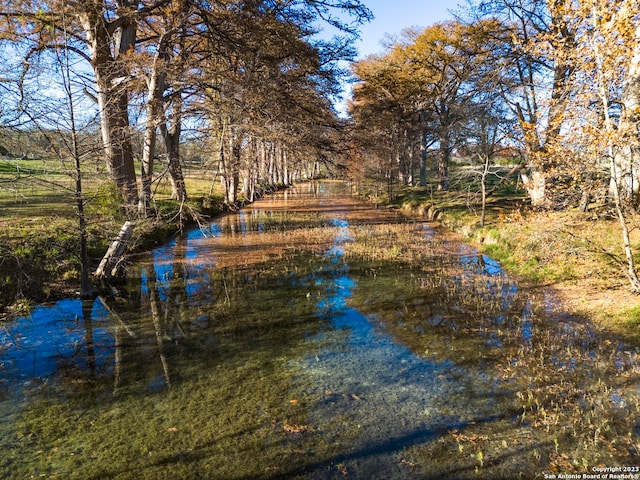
313, 336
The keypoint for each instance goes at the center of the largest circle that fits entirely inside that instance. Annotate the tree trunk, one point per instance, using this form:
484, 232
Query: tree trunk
232, 173
424, 155
172, 145
273, 165
627, 154
483, 184
612, 147
114, 119
155, 89
535, 183
171, 130
113, 98
110, 263
285, 168
631, 272
443, 163
87, 289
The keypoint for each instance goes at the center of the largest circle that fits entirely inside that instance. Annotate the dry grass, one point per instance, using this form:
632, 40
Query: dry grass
580, 256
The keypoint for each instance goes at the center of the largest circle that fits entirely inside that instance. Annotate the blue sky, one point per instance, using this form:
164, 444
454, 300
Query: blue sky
393, 16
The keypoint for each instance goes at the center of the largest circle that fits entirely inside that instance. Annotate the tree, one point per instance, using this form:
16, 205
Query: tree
379, 112
428, 81
447, 58
534, 45
67, 134
163, 40
604, 120
104, 33
487, 133
266, 93
86, 287
163, 67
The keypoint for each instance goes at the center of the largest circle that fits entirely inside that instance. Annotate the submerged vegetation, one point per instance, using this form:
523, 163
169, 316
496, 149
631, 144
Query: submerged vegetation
347, 341
565, 405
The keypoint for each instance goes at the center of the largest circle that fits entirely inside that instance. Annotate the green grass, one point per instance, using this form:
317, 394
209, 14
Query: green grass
39, 243
28, 167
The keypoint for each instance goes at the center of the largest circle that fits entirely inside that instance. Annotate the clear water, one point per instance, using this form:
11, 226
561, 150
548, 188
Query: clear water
311, 336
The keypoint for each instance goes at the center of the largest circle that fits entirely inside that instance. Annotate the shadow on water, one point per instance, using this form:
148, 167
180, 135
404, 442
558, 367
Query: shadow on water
312, 337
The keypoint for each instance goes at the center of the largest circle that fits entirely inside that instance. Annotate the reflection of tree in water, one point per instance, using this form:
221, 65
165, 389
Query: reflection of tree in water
228, 390
87, 307
160, 327
238, 344
180, 301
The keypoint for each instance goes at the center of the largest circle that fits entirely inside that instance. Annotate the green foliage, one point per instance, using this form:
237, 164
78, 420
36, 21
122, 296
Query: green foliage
106, 201
500, 252
631, 318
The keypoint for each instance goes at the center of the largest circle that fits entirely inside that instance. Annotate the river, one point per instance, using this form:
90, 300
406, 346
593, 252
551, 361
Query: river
312, 336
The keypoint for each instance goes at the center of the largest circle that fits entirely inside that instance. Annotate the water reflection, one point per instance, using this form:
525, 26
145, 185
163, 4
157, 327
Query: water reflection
318, 338
378, 391
71, 331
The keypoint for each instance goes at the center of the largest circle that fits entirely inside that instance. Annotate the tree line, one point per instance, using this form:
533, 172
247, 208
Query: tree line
252, 81
558, 80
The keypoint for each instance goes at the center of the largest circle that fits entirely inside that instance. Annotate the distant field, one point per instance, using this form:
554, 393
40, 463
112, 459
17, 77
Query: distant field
46, 187
35, 188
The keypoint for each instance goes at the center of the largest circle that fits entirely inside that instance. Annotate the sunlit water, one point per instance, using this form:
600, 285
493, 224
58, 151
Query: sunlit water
309, 336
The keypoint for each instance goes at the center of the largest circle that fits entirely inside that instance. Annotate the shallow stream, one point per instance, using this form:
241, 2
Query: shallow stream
311, 336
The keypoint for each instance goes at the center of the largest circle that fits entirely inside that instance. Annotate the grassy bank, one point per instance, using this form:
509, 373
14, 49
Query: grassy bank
576, 257
39, 240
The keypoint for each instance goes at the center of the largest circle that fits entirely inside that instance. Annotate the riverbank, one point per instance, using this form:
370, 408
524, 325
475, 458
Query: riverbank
39, 259
576, 258
40, 243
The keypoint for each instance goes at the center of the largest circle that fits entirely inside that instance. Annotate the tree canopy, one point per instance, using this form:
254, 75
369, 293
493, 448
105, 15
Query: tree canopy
555, 79
245, 72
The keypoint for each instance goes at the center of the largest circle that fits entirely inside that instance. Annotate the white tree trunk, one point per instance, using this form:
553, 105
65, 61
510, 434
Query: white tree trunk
535, 183
627, 153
